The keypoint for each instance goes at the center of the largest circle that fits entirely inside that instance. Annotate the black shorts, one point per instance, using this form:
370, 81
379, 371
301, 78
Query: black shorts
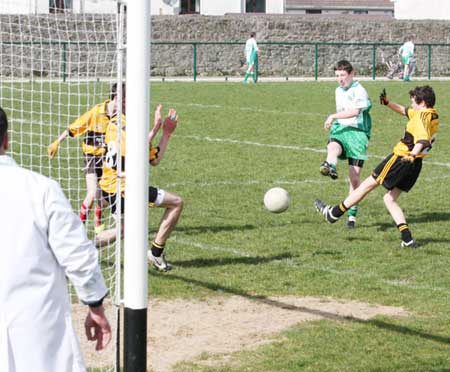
393, 172
111, 199
93, 164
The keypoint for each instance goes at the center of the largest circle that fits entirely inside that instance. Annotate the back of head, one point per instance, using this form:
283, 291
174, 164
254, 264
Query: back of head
3, 126
344, 65
424, 94
114, 90
253, 34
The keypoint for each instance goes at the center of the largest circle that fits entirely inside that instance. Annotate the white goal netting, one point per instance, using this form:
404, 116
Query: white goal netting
53, 68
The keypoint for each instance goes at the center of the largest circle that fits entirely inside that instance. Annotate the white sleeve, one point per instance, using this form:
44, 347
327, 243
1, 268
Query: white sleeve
71, 247
361, 98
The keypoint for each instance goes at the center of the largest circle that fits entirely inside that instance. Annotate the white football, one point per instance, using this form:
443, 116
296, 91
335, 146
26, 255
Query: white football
276, 200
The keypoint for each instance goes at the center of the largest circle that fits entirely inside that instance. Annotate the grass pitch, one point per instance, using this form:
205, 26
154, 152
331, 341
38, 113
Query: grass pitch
236, 141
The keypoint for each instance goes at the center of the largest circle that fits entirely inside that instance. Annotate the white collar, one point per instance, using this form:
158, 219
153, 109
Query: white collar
7, 160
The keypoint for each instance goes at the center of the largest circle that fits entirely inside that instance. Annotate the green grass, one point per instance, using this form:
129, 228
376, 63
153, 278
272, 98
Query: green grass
233, 143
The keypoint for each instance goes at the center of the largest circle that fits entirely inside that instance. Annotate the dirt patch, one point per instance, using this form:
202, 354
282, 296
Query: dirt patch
182, 330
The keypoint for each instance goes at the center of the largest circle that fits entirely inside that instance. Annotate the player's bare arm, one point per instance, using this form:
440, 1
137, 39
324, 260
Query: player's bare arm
385, 101
157, 122
169, 126
346, 114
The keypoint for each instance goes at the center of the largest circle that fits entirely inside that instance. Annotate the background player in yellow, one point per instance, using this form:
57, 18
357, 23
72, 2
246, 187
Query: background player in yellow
92, 125
157, 197
399, 171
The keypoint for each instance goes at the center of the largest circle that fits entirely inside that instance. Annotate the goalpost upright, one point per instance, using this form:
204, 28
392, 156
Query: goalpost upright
136, 185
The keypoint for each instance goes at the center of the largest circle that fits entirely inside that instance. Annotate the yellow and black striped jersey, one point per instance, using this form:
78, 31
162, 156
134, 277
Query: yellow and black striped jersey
93, 125
108, 182
421, 128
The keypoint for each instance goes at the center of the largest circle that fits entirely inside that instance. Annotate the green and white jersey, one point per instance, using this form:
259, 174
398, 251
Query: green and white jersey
407, 49
250, 49
353, 97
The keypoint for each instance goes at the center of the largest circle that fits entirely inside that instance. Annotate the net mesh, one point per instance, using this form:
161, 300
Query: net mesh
53, 68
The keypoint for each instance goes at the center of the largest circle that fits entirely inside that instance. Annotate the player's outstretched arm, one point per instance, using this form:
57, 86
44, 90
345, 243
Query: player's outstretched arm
384, 100
169, 126
157, 122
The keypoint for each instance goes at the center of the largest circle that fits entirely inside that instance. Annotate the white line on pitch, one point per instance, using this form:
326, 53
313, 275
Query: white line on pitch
286, 147
289, 262
249, 109
244, 183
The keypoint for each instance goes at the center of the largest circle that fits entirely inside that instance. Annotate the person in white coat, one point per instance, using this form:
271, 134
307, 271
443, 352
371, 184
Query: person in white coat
42, 243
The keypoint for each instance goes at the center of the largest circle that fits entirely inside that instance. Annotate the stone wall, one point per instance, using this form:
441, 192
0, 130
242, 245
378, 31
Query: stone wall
84, 46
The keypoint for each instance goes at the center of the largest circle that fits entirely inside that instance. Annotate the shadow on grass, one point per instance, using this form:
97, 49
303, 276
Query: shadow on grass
230, 261
416, 218
188, 230
384, 325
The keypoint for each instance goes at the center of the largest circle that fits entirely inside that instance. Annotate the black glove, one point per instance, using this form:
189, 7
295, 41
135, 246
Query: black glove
384, 100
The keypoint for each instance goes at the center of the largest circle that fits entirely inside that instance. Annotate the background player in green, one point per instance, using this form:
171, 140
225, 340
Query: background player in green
349, 128
406, 52
251, 55
399, 171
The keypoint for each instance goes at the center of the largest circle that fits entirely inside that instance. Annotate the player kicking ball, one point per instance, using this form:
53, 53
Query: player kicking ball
399, 171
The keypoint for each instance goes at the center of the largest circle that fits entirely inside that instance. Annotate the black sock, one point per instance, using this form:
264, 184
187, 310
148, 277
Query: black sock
157, 249
339, 210
406, 233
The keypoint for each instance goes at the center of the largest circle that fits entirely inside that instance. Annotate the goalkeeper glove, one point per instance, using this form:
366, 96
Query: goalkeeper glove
384, 100
53, 149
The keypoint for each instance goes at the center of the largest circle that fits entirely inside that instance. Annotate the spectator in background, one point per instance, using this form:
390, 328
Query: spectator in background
42, 243
406, 52
251, 57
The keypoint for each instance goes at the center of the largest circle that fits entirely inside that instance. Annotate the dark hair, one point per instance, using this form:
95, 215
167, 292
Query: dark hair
114, 90
423, 94
343, 65
252, 34
3, 125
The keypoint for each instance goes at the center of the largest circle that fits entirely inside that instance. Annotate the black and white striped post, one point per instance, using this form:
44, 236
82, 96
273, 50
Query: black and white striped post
136, 185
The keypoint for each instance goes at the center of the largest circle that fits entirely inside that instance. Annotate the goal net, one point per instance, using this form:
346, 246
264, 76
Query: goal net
53, 68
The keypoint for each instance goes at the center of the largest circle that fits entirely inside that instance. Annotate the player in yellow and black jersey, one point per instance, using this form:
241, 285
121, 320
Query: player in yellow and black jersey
399, 171
157, 197
92, 124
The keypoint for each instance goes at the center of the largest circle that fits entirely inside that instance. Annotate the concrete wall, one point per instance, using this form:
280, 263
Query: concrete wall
81, 60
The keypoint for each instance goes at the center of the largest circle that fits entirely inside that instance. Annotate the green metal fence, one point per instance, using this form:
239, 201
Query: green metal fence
373, 46
316, 54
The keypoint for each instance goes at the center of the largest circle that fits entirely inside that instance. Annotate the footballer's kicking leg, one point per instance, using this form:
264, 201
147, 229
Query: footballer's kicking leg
390, 201
328, 167
173, 205
332, 214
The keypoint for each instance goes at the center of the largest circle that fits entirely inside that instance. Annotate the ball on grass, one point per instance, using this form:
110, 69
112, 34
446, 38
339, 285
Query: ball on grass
276, 200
